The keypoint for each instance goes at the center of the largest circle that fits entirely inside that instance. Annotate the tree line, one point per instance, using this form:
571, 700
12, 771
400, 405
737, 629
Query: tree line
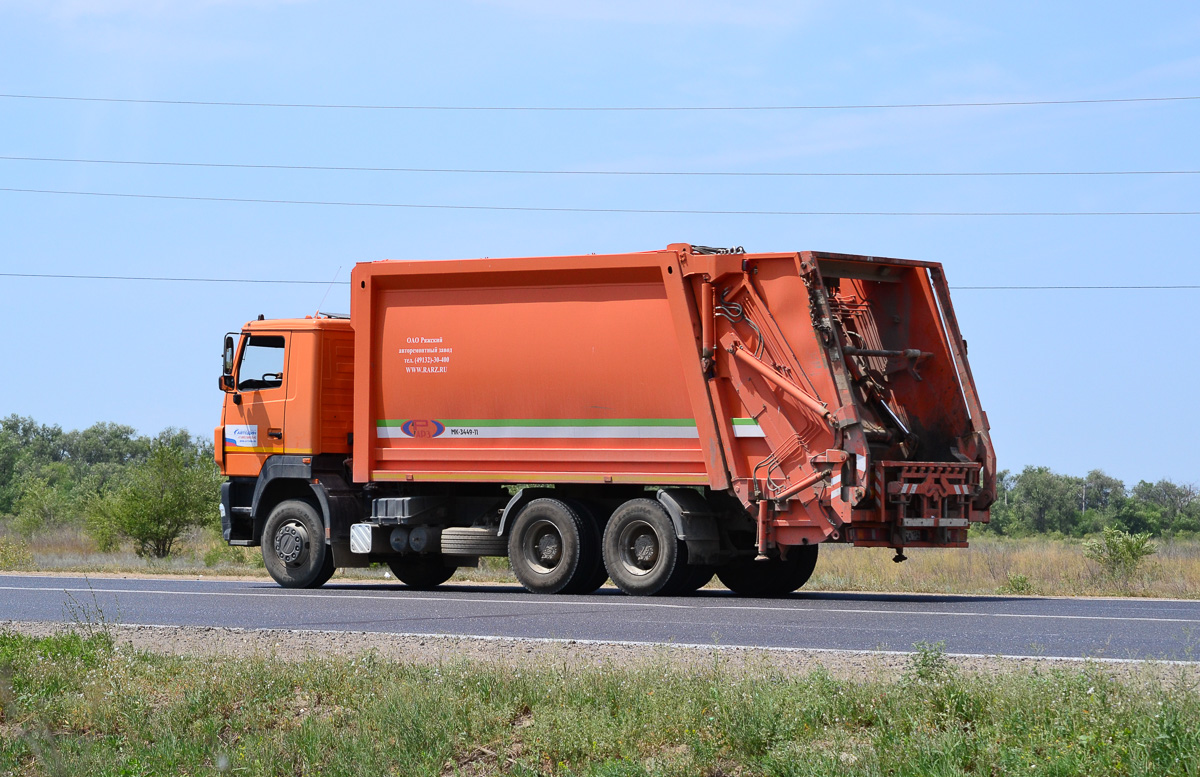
1038, 500
118, 485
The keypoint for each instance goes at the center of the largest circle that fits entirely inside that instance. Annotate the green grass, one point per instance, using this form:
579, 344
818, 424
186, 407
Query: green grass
77, 705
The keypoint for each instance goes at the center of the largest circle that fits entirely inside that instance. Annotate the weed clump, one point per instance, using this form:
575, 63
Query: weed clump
1017, 584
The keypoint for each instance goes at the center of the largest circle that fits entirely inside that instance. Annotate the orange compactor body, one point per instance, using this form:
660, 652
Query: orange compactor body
763, 403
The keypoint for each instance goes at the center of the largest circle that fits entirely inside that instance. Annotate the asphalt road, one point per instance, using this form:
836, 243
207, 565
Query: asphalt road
991, 625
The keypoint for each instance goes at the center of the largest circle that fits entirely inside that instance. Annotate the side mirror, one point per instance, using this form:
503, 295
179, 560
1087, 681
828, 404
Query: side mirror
227, 356
227, 360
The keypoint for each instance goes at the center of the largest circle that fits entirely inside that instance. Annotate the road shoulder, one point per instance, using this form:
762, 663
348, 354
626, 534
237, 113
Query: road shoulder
434, 649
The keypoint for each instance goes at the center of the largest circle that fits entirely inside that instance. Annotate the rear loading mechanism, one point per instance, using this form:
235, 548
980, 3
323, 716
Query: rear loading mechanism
689, 413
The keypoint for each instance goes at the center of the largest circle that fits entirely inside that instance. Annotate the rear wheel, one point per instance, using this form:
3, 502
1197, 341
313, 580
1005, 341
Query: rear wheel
586, 585
698, 577
552, 548
421, 572
641, 552
293, 546
598, 579
770, 577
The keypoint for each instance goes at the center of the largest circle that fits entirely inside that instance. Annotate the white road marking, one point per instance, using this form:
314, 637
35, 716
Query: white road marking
630, 603
305, 595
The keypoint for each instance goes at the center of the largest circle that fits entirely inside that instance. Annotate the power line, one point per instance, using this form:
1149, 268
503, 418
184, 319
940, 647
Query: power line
57, 276
1071, 288
628, 108
500, 171
651, 211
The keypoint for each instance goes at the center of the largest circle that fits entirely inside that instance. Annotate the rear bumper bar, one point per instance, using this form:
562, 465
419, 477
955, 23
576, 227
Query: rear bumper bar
919, 503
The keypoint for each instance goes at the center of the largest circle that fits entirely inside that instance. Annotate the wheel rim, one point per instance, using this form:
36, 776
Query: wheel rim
639, 548
542, 547
291, 543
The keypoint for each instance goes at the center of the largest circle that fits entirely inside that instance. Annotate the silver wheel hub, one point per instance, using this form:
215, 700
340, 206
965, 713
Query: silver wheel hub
542, 547
645, 549
291, 543
549, 549
639, 548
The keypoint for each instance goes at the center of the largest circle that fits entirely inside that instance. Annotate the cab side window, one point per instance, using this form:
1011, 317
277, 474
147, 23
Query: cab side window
262, 364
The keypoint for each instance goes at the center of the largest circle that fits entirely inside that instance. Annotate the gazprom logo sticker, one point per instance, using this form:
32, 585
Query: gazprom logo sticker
422, 428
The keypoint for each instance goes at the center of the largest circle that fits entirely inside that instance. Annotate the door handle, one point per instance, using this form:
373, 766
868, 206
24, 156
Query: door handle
275, 434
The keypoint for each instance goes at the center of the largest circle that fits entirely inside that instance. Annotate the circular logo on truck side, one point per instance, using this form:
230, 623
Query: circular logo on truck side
422, 428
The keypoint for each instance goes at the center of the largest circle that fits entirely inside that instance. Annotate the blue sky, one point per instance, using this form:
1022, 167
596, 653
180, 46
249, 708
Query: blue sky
1070, 379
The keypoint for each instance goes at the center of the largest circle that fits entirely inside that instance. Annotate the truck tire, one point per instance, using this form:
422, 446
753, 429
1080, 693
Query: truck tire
598, 579
552, 548
699, 576
421, 572
293, 546
641, 552
586, 585
473, 542
770, 577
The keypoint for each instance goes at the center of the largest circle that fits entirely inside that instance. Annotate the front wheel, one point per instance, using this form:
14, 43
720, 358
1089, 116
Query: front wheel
293, 546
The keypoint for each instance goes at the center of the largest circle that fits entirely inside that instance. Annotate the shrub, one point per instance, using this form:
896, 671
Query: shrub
41, 504
1119, 553
175, 489
14, 554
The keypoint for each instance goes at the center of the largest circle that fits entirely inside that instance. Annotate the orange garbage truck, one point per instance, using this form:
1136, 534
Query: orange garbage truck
655, 418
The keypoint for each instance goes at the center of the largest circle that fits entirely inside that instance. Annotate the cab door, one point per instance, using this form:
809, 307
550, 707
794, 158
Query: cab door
254, 426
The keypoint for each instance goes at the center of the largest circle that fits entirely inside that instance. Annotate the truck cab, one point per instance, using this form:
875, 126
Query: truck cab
284, 435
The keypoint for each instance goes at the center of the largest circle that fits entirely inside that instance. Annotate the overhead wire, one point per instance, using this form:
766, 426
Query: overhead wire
520, 171
161, 278
597, 108
1076, 288
809, 107
547, 209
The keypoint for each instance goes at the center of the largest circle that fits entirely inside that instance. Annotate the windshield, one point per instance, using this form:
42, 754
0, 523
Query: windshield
262, 363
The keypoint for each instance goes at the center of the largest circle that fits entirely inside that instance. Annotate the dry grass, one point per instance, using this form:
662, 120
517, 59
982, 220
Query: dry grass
1036, 566
1049, 567
70, 549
